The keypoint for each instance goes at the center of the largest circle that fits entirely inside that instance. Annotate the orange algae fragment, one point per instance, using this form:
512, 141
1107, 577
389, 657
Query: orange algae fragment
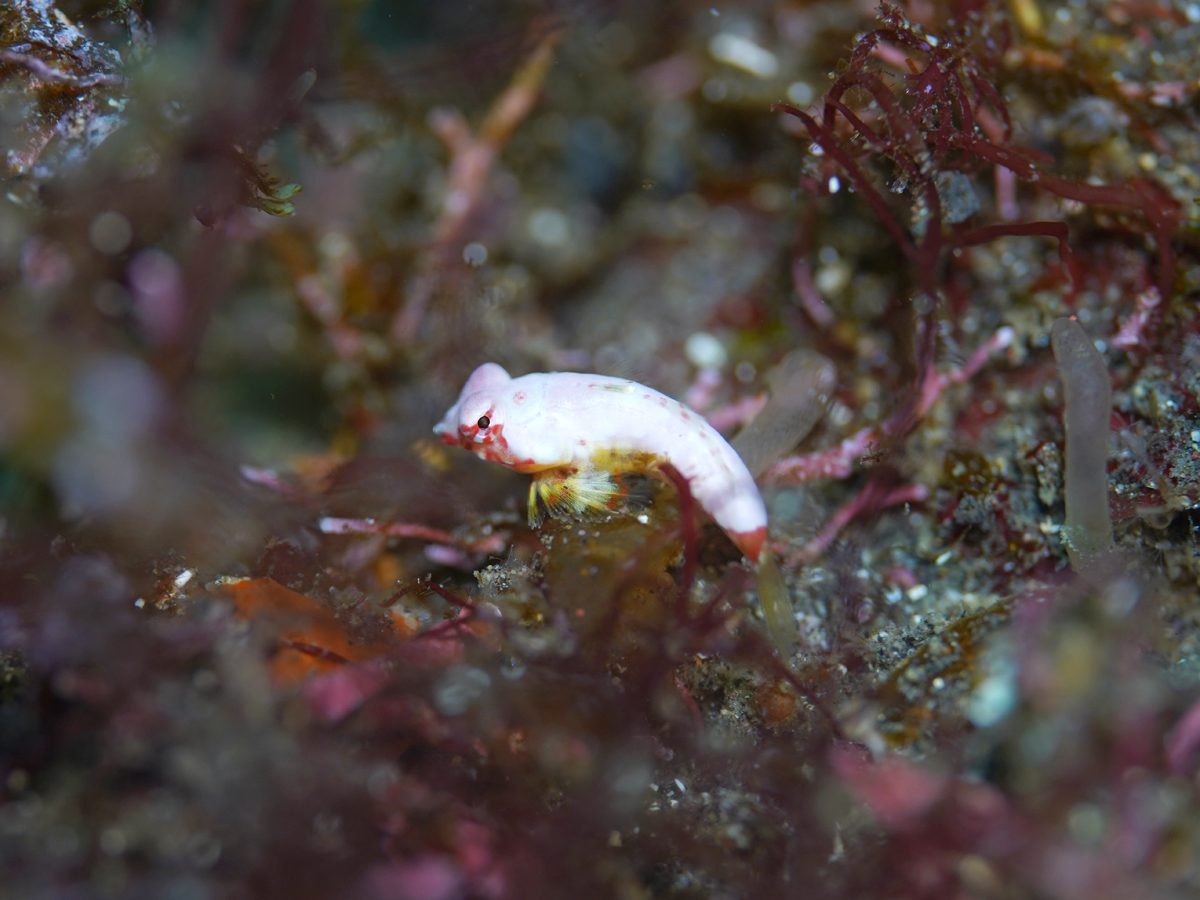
312, 638
777, 703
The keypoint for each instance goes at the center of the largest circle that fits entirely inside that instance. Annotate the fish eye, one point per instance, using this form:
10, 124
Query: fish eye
483, 422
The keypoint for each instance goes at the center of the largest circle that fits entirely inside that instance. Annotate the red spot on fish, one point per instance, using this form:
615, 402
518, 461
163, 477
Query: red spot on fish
686, 416
662, 401
519, 397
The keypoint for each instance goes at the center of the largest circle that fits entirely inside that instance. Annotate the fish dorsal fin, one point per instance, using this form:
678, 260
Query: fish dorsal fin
618, 387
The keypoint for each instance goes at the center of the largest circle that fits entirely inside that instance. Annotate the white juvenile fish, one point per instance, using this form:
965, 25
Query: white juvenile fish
575, 433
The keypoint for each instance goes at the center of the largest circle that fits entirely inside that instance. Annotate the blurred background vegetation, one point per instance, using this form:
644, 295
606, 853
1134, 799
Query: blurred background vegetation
251, 249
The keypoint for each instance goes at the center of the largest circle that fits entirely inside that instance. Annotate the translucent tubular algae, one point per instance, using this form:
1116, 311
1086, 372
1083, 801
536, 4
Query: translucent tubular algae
800, 389
1086, 413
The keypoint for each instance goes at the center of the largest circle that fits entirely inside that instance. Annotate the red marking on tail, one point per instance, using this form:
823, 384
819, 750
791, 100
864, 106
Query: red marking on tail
750, 543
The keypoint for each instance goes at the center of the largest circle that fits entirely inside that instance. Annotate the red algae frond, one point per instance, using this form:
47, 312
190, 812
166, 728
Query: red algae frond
949, 117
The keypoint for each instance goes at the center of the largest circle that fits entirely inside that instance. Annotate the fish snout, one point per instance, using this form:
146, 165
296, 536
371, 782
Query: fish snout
446, 432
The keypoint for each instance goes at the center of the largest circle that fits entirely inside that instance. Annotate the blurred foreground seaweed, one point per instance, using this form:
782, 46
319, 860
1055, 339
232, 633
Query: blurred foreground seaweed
261, 636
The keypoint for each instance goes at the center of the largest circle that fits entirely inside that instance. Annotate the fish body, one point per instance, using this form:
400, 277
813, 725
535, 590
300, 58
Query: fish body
573, 432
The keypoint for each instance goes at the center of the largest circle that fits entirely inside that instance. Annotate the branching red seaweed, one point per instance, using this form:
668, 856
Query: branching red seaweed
935, 125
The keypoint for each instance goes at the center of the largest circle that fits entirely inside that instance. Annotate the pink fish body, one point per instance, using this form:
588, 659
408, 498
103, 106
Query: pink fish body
569, 429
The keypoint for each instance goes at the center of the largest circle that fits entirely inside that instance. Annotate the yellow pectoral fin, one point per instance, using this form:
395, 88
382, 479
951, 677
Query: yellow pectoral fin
535, 507
587, 495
